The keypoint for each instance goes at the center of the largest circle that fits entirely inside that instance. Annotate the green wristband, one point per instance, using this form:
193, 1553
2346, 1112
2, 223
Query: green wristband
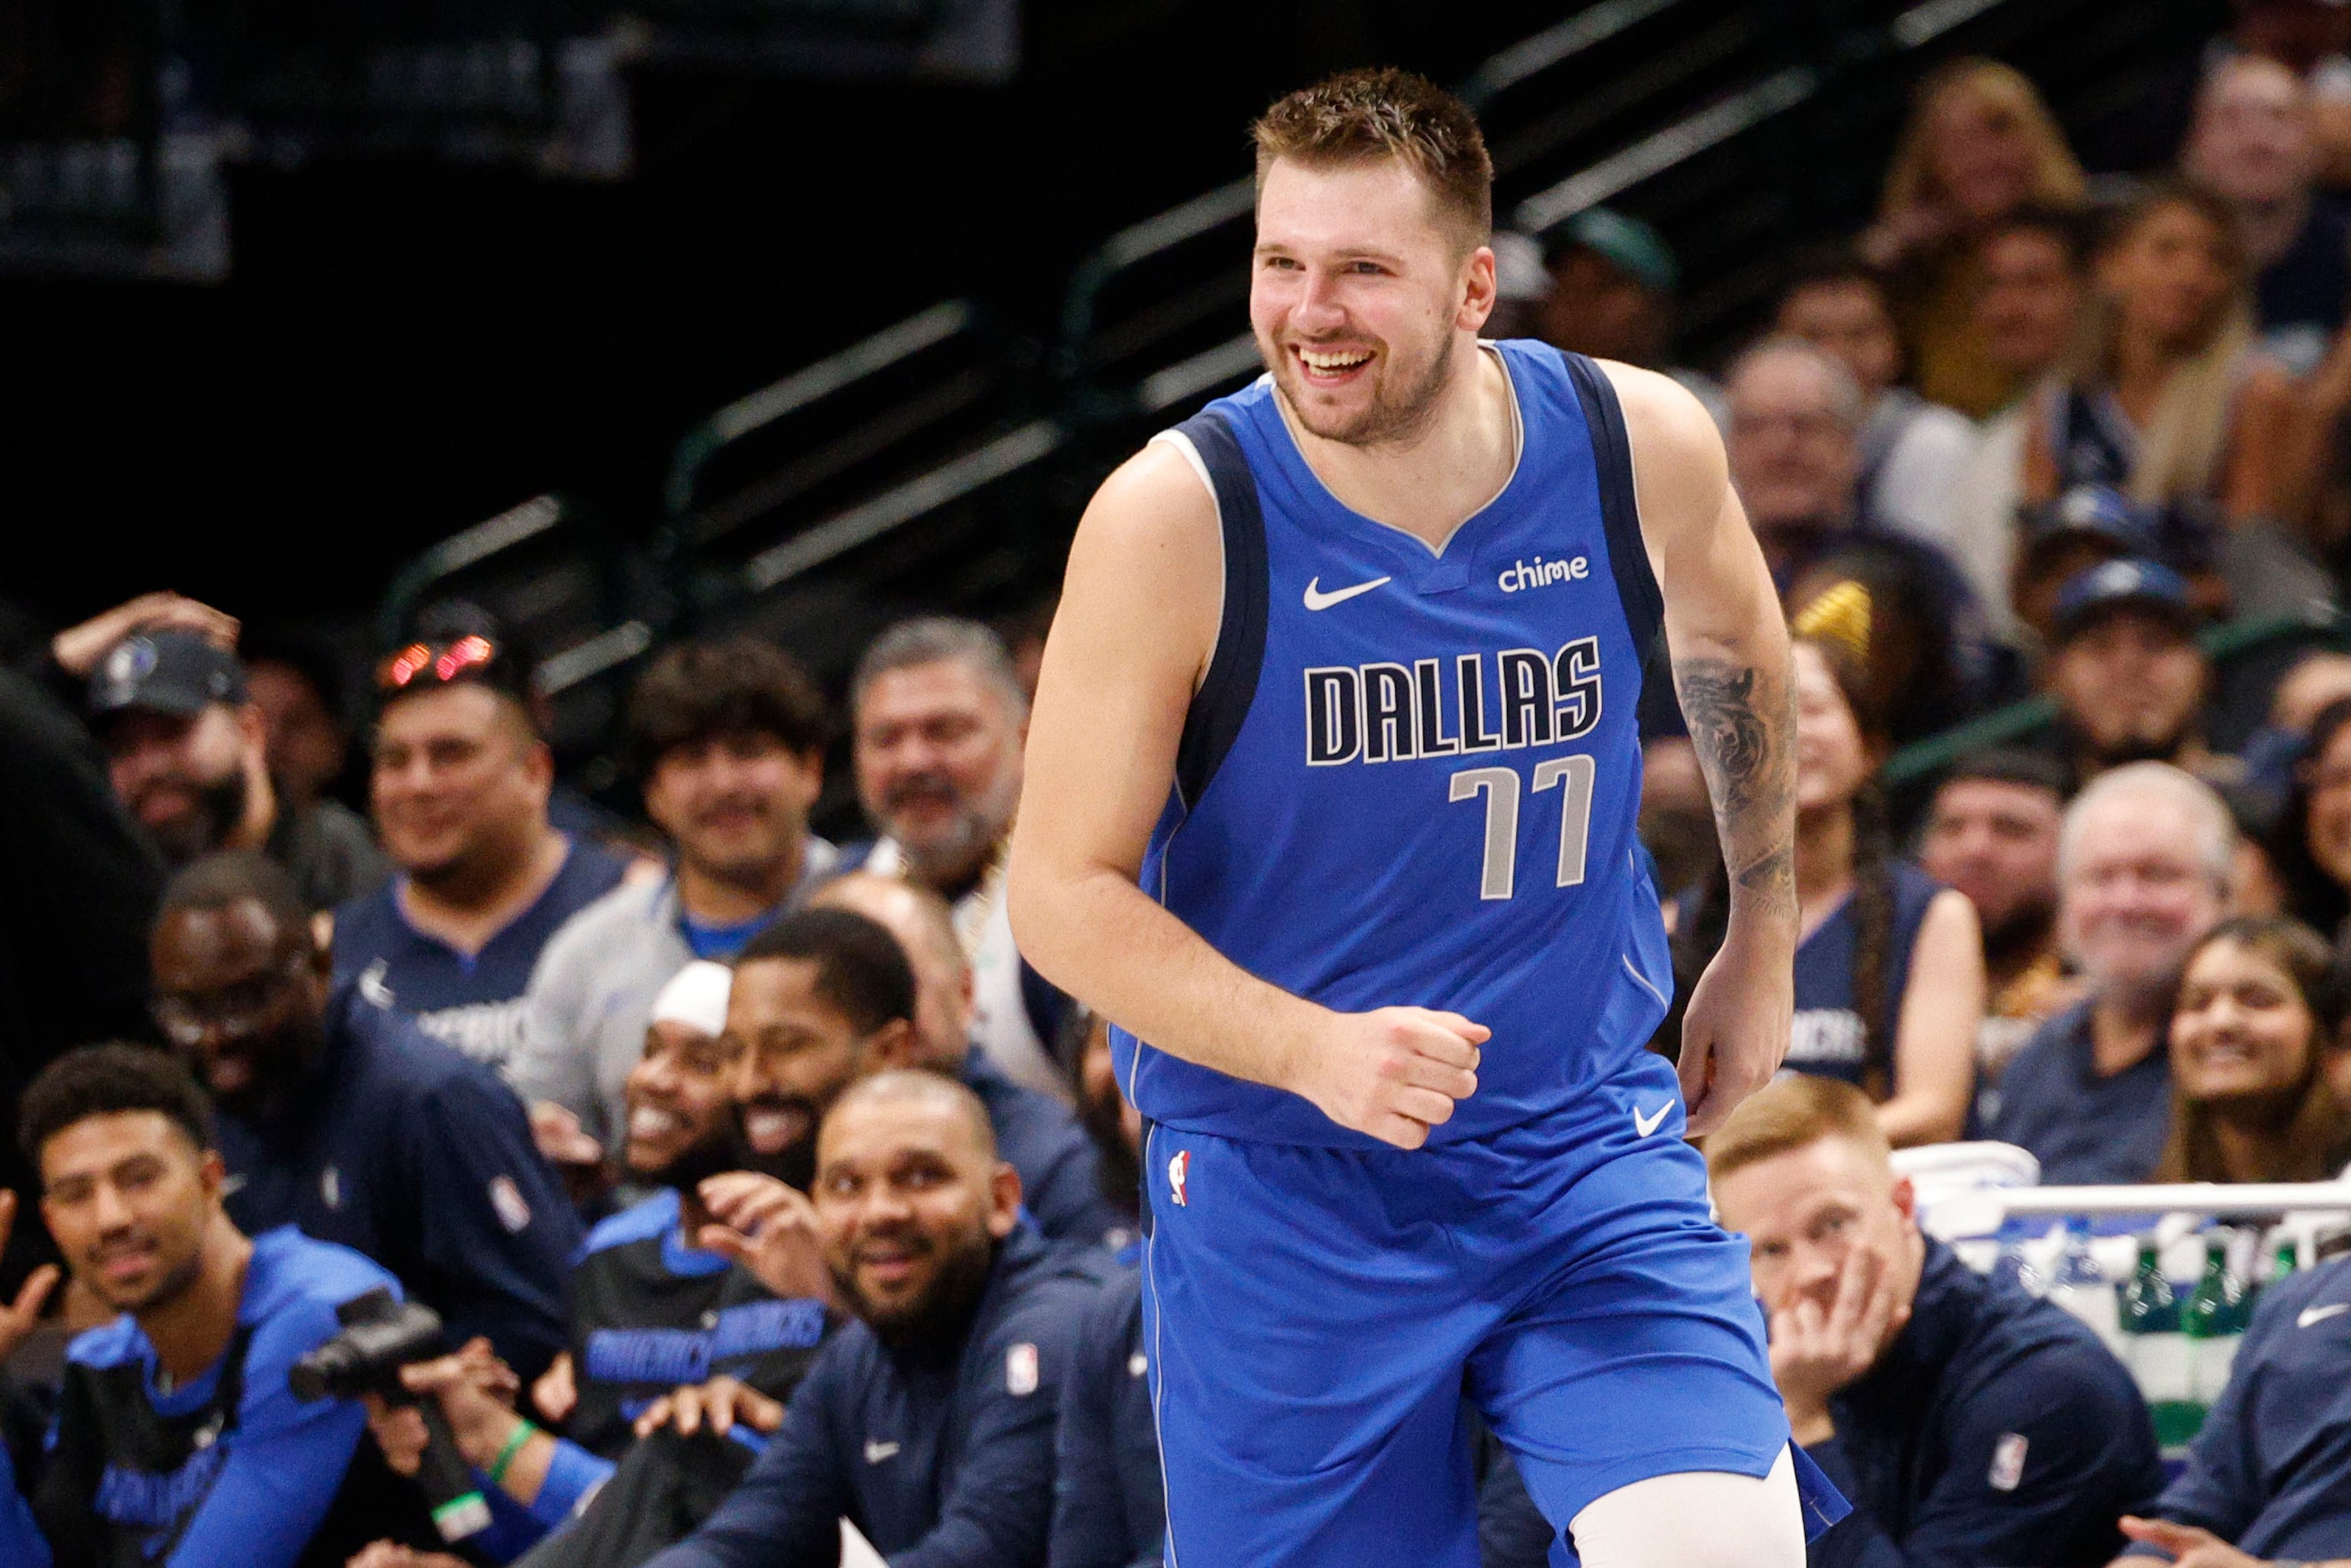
523, 1433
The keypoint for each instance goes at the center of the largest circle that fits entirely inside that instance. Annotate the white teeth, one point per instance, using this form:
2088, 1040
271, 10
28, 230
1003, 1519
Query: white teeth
1332, 361
646, 1122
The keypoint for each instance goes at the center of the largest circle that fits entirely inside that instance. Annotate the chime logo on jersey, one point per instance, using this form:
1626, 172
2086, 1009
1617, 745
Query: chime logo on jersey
1504, 702
1176, 1170
1519, 576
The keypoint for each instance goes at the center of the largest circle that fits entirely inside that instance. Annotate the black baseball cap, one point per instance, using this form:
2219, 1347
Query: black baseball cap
2134, 583
167, 672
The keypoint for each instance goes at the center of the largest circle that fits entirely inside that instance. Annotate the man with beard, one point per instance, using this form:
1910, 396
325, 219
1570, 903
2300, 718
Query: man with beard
460, 785
729, 739
187, 752
177, 1438
1059, 1167
2126, 674
928, 1423
656, 1319
2144, 860
350, 1122
1991, 832
939, 716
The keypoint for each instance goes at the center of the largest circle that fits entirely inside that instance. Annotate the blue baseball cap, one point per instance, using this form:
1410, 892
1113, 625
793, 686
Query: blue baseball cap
2132, 582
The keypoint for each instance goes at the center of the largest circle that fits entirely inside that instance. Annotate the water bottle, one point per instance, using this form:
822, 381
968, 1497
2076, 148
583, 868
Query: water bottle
2213, 1320
2077, 1285
2286, 1257
2158, 1354
2013, 1268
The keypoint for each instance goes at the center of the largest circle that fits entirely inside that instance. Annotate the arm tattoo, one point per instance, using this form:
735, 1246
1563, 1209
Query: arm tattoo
1745, 745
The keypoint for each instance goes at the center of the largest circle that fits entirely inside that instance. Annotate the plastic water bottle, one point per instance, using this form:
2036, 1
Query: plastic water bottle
2077, 1285
2013, 1268
2214, 1319
2160, 1357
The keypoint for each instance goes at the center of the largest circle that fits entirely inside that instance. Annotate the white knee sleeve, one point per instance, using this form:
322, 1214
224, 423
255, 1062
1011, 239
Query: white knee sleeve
1699, 1519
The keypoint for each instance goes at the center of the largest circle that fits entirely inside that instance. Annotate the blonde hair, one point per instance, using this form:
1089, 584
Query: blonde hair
2181, 448
1911, 180
1792, 1113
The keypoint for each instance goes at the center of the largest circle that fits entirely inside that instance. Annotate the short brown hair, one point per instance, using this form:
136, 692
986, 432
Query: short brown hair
1794, 1114
1367, 116
697, 692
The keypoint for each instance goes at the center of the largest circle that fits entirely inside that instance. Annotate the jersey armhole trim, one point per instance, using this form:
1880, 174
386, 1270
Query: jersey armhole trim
1620, 511
1176, 441
1218, 708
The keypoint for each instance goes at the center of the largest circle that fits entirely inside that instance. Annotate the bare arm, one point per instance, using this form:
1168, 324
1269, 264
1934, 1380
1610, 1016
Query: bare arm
1131, 640
1730, 647
1934, 1032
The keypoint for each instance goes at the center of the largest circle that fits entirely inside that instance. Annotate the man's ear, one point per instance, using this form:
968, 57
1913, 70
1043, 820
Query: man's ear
1004, 1200
254, 728
892, 1045
212, 1174
1481, 291
1906, 1198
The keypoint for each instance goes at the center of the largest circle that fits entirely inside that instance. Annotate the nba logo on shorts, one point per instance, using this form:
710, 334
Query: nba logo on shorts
1177, 1168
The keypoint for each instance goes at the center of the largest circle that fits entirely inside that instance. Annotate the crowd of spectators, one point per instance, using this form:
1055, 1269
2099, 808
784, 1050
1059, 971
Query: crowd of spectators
759, 1184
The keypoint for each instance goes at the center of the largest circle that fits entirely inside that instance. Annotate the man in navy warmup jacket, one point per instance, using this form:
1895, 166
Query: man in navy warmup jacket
346, 1120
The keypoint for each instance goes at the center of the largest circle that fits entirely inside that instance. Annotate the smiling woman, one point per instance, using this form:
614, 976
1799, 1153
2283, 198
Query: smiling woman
2259, 1008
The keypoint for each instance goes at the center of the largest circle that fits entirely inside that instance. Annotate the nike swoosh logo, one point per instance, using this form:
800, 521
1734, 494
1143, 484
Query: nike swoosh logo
1644, 1126
877, 1452
2320, 1314
1316, 600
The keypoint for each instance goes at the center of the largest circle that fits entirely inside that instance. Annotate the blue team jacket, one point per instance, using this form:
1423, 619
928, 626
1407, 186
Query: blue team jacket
2271, 1471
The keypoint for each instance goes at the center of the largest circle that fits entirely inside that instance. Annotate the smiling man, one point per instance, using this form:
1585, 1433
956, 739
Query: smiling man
177, 1439
729, 739
1330, 809
350, 1122
928, 1423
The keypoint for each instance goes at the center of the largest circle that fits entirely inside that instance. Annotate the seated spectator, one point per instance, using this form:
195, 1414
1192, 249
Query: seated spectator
2128, 678
1116, 1129
939, 717
1992, 834
2271, 1468
2143, 860
187, 748
820, 999
1930, 664
1967, 1422
2310, 844
1677, 825
176, 1429
2318, 678
2258, 1010
729, 739
928, 1423
1110, 1504
1912, 451
1612, 283
2091, 525
2034, 266
1037, 1135
1889, 972
2165, 402
2252, 145
658, 1320
1979, 146
460, 787
297, 681
351, 1123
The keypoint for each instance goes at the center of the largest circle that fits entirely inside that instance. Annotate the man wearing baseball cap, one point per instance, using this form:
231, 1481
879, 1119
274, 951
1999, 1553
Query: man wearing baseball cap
2129, 677
186, 751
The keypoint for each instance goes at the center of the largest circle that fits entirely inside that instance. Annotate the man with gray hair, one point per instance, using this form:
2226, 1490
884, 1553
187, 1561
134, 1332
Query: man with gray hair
2143, 871
938, 720
1794, 446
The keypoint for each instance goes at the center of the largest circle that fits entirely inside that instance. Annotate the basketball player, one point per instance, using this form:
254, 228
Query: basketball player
1330, 794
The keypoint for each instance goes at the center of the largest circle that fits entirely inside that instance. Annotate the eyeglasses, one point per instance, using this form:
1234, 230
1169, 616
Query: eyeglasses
442, 662
232, 1010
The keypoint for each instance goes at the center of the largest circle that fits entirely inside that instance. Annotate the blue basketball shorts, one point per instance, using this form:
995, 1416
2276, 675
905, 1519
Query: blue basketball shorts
1315, 1318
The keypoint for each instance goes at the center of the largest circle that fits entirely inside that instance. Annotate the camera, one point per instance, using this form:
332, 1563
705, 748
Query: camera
382, 1334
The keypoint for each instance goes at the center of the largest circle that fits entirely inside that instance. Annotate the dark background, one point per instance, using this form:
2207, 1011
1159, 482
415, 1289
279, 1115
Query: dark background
404, 347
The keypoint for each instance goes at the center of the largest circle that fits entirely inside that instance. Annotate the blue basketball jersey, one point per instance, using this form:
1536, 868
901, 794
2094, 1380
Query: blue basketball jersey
1411, 774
